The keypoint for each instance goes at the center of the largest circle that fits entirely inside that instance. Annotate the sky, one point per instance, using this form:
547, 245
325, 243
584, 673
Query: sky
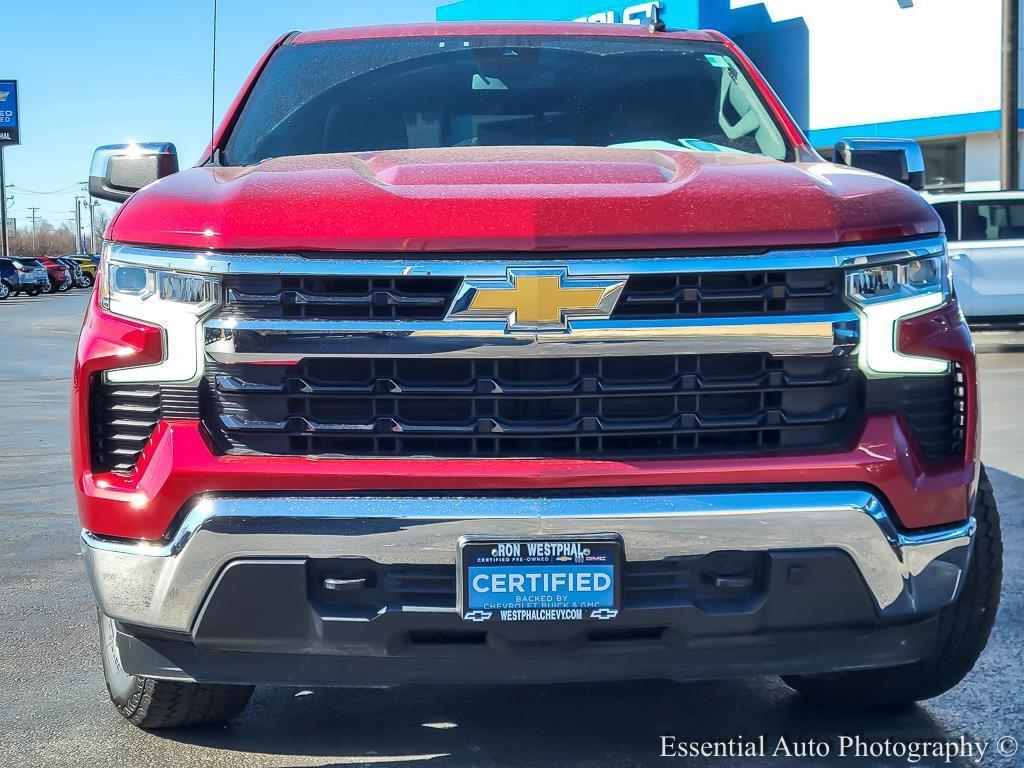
98, 72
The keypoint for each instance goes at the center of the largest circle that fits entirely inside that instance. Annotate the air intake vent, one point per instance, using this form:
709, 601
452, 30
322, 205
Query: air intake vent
122, 418
934, 407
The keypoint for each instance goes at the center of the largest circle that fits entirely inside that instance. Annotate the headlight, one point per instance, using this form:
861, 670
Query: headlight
138, 291
884, 295
177, 302
894, 281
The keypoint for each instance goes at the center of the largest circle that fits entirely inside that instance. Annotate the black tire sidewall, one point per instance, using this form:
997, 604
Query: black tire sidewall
125, 689
963, 632
5, 290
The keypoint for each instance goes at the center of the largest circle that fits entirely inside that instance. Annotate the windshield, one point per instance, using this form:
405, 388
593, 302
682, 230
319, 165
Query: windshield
507, 90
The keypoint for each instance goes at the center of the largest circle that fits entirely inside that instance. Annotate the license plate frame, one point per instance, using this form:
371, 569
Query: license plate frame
604, 550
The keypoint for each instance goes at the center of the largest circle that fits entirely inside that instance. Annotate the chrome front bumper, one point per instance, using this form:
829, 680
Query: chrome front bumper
164, 585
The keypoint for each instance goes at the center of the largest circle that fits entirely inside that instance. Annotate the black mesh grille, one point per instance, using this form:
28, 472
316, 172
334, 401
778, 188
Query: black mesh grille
719, 294
648, 406
122, 418
339, 298
732, 294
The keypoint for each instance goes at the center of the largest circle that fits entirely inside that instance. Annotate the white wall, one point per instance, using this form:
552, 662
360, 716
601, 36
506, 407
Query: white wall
982, 162
981, 158
872, 61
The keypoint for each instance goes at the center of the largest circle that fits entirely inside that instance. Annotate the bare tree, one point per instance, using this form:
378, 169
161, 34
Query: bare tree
102, 219
49, 240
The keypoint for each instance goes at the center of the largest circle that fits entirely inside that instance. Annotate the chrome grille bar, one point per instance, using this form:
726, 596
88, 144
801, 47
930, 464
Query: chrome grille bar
229, 340
494, 265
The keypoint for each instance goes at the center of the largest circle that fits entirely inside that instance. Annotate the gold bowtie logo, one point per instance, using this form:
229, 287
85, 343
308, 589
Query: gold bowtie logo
536, 299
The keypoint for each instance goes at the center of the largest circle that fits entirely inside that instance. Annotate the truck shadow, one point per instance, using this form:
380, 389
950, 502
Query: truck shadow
561, 725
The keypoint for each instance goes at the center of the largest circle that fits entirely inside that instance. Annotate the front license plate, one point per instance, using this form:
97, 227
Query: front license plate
557, 579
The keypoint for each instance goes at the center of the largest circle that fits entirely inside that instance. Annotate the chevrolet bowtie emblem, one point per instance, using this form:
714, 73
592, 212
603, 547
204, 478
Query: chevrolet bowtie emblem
536, 299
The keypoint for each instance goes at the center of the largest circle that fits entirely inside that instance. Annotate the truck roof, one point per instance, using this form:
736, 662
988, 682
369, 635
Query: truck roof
438, 29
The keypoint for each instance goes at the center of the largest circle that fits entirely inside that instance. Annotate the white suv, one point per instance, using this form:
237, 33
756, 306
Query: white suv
986, 248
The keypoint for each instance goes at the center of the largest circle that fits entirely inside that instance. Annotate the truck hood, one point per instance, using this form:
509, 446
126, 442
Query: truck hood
520, 199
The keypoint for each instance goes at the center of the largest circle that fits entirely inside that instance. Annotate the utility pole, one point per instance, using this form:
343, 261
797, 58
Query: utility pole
91, 205
33, 217
3, 208
78, 224
1009, 138
92, 225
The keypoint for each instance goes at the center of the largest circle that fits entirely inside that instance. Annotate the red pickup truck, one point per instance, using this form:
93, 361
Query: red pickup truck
525, 352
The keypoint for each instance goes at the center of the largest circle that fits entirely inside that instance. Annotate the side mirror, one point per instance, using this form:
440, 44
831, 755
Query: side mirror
899, 159
118, 170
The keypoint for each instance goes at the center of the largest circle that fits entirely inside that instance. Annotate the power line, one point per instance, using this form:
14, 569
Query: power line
37, 192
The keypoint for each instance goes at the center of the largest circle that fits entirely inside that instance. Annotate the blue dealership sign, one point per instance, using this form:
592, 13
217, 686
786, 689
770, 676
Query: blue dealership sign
9, 131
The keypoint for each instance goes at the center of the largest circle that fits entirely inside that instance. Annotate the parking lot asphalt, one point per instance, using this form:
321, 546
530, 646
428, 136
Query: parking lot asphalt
54, 709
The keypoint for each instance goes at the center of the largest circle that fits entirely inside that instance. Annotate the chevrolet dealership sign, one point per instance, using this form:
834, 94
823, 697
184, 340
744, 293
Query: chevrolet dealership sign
637, 14
685, 13
9, 132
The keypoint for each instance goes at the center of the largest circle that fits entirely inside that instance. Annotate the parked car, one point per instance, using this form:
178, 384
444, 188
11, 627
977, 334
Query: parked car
89, 266
561, 396
25, 275
77, 274
18, 275
986, 251
61, 277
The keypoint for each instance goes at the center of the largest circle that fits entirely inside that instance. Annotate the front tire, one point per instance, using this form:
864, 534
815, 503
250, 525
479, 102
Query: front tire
85, 282
5, 290
963, 632
64, 287
150, 703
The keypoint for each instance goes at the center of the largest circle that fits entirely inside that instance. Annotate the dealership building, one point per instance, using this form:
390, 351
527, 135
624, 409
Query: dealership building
921, 69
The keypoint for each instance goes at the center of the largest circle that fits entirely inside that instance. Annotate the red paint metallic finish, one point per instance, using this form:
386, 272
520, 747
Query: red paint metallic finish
944, 334
180, 464
106, 342
543, 199
521, 199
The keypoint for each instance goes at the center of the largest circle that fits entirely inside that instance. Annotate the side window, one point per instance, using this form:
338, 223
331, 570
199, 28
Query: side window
948, 213
993, 220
